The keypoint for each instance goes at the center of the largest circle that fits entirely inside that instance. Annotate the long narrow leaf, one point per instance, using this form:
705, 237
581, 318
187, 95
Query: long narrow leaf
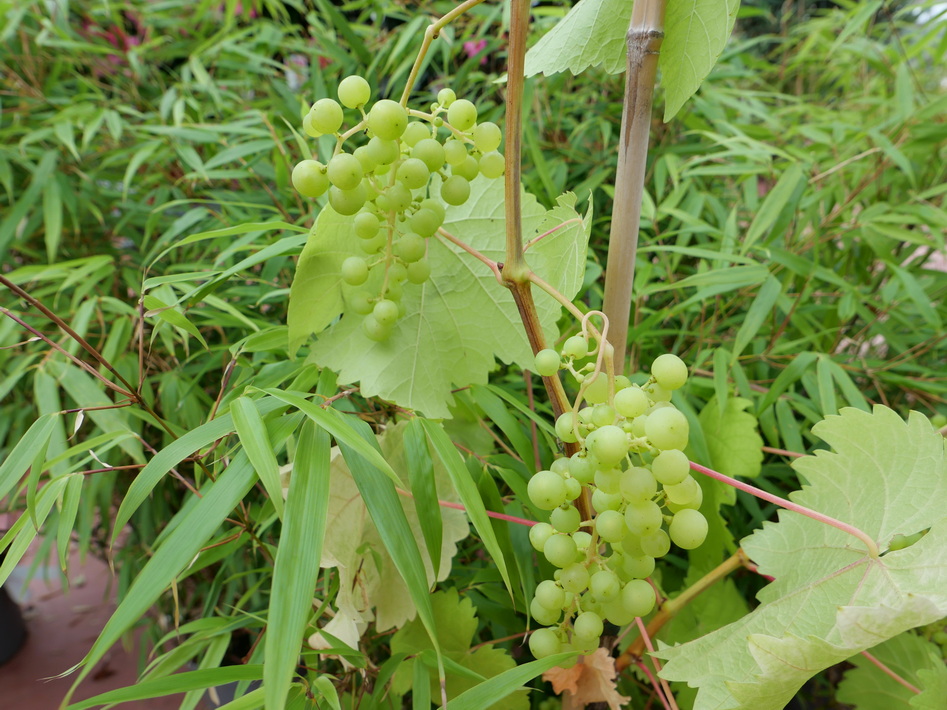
16, 463
493, 690
252, 432
421, 479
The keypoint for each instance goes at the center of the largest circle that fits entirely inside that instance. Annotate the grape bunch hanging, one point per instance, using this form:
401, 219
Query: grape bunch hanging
386, 185
632, 461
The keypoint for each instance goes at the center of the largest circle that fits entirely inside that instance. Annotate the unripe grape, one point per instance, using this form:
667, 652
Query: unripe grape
347, 202
538, 534
692, 504
544, 615
399, 197
455, 190
670, 467
637, 484
547, 362
546, 490
430, 152
631, 545
565, 425
643, 518
413, 173
631, 402
603, 501
445, 97
419, 271
326, 116
638, 425
308, 128
580, 467
616, 613
608, 480
309, 178
566, 519
383, 152
374, 330
487, 136
596, 391
602, 415
364, 157
576, 346
657, 393
410, 247
468, 168
425, 222
492, 165
366, 225
455, 152
688, 529
560, 466
560, 550
667, 428
657, 544
604, 586
345, 171
610, 525
434, 206
621, 382
550, 595
386, 312
397, 272
608, 444
684, 492
362, 303
462, 114
354, 271
588, 625
638, 597
670, 371
574, 578
354, 91
637, 567
544, 642
573, 489
416, 131
387, 119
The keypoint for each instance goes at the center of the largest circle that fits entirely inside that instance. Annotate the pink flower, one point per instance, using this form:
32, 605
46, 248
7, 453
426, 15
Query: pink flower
474, 48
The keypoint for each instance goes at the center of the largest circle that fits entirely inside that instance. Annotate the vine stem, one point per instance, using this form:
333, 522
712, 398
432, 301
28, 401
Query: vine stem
491, 264
514, 267
891, 674
430, 34
657, 663
490, 513
644, 38
789, 505
654, 682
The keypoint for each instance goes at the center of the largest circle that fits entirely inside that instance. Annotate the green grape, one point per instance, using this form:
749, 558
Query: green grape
354, 271
308, 128
565, 426
455, 190
345, 171
582, 541
419, 271
411, 248
596, 392
631, 402
492, 165
487, 136
588, 625
657, 544
434, 206
565, 519
430, 152
616, 613
940, 638
544, 615
573, 489
309, 178
455, 152
394, 293
374, 330
560, 550
575, 347
608, 480
416, 131
538, 534
354, 91
399, 197
544, 642
631, 545
362, 303
560, 466
574, 578
610, 525
546, 490
670, 371
670, 467
366, 225
604, 586
602, 415
637, 484
365, 159
445, 97
413, 173
603, 501
638, 597
397, 273
579, 465
468, 168
387, 119
326, 116
637, 567
550, 595
684, 492
688, 529
383, 152
462, 114
374, 245
693, 504
424, 222
643, 518
608, 444
657, 393
547, 362
347, 202
386, 312
667, 428
621, 382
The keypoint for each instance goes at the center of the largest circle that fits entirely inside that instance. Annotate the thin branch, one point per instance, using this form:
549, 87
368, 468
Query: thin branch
657, 664
531, 242
891, 674
491, 264
490, 513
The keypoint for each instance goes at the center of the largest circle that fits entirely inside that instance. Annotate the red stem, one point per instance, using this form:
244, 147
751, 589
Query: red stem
891, 674
657, 664
458, 506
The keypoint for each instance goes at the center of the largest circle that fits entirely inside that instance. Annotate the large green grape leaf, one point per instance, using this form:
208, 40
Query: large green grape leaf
593, 34
735, 445
830, 598
457, 323
913, 658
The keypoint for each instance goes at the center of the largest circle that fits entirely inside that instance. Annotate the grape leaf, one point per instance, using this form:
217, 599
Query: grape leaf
456, 624
370, 587
454, 325
868, 688
590, 680
733, 441
830, 598
593, 34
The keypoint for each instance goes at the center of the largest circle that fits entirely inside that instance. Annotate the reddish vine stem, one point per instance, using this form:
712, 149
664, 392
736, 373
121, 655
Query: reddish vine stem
458, 506
891, 674
789, 505
657, 664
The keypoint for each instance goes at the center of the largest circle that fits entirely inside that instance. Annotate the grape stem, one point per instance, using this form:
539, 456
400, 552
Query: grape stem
491, 264
657, 664
789, 505
891, 674
654, 682
490, 513
574, 220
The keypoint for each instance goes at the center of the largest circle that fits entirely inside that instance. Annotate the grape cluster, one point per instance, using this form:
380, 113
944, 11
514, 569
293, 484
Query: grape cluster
632, 460
385, 185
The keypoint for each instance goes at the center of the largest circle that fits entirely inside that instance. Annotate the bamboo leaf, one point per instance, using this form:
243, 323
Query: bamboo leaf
252, 432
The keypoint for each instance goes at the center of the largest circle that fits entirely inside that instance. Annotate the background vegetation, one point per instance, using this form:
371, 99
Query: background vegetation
793, 252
